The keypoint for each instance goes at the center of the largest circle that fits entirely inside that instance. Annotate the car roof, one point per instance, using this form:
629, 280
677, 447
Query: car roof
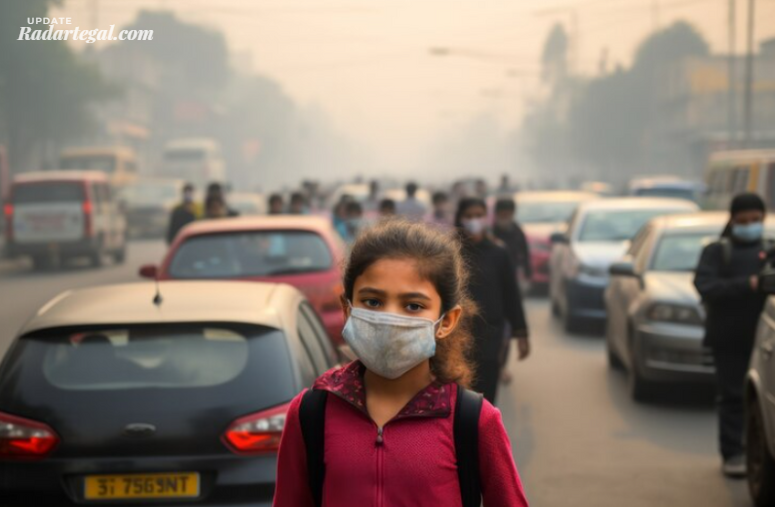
635, 203
555, 196
702, 220
258, 303
257, 223
42, 176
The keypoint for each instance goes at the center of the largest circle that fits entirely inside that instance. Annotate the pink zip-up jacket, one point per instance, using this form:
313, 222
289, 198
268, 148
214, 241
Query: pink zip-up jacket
409, 462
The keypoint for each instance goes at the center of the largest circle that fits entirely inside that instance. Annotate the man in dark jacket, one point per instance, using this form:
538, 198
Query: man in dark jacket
508, 230
494, 288
727, 280
183, 214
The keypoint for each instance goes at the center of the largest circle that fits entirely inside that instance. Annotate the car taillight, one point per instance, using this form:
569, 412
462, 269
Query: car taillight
24, 439
88, 227
257, 433
8, 212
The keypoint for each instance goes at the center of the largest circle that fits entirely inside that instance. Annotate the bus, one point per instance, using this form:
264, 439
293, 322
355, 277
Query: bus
731, 172
118, 163
196, 161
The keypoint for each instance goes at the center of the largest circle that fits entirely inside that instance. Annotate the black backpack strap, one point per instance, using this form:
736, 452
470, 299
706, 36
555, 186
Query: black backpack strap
312, 416
466, 430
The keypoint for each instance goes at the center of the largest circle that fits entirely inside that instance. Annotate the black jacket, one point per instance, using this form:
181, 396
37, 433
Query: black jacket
514, 239
724, 283
181, 216
493, 287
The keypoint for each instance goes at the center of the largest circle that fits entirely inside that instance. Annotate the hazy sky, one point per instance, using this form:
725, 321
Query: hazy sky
367, 63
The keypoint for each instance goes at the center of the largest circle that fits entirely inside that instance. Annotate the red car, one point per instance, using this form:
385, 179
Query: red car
302, 251
541, 214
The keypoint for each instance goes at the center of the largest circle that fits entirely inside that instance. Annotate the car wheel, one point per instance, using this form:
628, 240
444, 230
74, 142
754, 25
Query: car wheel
40, 262
641, 390
97, 257
570, 323
761, 465
119, 256
614, 362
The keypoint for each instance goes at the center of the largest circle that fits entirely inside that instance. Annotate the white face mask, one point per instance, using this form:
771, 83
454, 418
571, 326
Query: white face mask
389, 344
474, 226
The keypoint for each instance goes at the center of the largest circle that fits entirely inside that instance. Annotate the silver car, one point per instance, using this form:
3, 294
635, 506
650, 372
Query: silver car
598, 234
655, 315
760, 406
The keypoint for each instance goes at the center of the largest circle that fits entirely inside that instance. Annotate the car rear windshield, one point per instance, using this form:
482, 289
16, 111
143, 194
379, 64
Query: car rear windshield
249, 254
681, 252
48, 192
616, 225
545, 212
116, 358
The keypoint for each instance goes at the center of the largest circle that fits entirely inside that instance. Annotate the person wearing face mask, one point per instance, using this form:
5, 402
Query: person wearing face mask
398, 426
494, 288
513, 237
727, 280
353, 220
183, 214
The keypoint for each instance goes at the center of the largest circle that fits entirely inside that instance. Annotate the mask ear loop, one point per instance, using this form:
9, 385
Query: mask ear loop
437, 322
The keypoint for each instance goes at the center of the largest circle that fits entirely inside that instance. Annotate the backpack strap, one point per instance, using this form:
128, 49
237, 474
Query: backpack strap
466, 430
312, 416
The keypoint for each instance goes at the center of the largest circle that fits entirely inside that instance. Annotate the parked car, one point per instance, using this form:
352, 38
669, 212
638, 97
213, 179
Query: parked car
760, 405
112, 395
655, 324
53, 216
598, 234
303, 251
542, 214
148, 204
667, 186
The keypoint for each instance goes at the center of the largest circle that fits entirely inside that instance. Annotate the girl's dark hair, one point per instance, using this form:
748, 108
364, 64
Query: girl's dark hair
464, 204
438, 257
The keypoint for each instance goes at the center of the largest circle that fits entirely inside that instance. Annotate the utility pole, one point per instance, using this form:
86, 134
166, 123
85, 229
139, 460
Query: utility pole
731, 79
748, 113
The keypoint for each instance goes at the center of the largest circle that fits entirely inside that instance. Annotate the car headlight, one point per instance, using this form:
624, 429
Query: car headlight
677, 314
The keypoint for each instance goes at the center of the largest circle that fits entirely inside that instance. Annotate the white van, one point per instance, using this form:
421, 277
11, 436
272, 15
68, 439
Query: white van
52, 216
196, 161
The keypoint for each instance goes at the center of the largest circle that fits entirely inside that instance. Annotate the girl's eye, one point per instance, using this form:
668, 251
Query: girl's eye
371, 303
414, 307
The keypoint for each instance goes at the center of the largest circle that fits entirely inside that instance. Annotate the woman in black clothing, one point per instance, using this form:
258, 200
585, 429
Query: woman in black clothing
727, 280
493, 287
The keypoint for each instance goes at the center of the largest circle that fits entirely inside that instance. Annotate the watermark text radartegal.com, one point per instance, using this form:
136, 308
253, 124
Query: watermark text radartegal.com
88, 36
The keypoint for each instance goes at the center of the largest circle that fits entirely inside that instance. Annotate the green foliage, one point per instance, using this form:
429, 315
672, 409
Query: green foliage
45, 88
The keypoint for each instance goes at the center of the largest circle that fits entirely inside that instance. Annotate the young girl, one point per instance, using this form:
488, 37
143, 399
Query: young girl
388, 428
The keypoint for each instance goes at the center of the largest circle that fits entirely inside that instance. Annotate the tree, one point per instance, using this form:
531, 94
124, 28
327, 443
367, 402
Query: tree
554, 58
45, 89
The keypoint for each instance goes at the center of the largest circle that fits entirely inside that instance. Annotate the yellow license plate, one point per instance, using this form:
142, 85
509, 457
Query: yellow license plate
141, 486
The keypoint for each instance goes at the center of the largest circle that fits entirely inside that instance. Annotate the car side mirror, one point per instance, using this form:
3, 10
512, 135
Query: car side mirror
623, 268
149, 271
558, 238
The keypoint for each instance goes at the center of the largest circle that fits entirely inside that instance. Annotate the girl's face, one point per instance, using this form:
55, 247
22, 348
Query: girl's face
747, 217
395, 286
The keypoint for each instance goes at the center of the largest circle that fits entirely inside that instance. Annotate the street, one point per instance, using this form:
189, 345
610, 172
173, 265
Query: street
578, 439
